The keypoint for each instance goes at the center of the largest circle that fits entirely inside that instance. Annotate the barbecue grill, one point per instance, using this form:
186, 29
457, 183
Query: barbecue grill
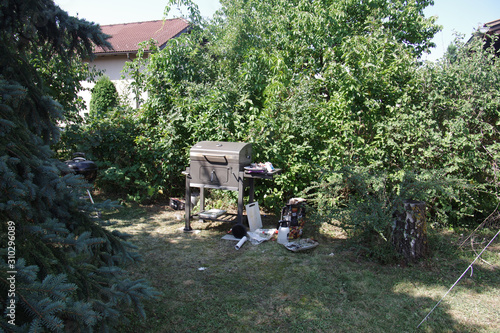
81, 166
217, 164
88, 169
221, 165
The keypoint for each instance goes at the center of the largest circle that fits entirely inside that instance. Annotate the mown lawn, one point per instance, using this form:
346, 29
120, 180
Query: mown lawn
208, 286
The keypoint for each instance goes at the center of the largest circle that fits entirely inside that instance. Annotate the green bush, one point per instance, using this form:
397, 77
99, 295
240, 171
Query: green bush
104, 97
316, 95
438, 144
135, 162
365, 201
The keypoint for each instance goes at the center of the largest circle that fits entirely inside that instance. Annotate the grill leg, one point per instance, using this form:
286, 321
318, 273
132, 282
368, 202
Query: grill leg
241, 190
251, 190
202, 198
187, 204
93, 203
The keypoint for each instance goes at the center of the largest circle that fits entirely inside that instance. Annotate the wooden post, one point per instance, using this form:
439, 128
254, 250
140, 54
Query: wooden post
409, 234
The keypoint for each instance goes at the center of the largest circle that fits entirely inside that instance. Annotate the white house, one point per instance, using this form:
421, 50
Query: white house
125, 40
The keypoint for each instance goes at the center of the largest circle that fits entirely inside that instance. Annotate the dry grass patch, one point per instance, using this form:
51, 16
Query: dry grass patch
208, 286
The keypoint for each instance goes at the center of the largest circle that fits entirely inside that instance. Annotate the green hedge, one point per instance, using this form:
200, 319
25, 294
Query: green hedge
316, 96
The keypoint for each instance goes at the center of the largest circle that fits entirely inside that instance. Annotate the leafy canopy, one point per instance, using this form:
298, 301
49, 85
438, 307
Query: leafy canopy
324, 90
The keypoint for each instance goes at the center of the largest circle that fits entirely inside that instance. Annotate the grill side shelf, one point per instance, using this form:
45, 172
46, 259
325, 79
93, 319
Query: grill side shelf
227, 217
263, 175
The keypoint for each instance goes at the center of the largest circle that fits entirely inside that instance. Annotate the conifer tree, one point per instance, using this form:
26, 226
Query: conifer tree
104, 97
59, 268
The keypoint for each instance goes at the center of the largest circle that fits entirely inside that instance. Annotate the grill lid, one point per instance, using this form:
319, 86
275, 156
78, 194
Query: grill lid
216, 164
223, 148
81, 166
223, 153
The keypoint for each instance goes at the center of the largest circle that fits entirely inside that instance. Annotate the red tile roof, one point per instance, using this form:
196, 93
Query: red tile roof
493, 26
127, 36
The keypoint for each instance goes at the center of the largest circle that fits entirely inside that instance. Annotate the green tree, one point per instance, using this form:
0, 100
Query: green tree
66, 266
301, 80
104, 97
438, 143
331, 91
451, 52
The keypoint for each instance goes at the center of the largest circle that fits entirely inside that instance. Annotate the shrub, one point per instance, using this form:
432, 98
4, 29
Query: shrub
336, 95
104, 97
365, 201
135, 161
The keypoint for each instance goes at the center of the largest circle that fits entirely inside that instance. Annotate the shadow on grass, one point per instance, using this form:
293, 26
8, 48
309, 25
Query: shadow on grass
208, 286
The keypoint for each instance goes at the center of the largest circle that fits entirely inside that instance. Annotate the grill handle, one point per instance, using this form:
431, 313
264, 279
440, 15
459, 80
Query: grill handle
216, 159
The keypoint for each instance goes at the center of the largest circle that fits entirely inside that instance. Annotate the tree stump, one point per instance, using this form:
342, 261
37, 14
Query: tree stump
409, 234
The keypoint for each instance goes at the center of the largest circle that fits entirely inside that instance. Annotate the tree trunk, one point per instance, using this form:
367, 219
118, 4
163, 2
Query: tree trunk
410, 231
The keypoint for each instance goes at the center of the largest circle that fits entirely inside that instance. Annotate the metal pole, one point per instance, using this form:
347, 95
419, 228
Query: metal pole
187, 202
241, 190
251, 190
202, 198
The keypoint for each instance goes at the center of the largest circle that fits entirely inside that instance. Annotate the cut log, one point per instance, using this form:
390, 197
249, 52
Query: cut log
409, 234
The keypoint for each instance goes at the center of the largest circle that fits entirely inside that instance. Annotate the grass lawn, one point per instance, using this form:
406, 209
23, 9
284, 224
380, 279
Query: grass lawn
208, 286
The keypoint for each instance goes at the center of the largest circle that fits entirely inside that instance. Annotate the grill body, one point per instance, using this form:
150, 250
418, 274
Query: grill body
221, 165
217, 164
81, 166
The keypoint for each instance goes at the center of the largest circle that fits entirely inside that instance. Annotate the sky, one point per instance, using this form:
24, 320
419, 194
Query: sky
106, 12
459, 16
455, 16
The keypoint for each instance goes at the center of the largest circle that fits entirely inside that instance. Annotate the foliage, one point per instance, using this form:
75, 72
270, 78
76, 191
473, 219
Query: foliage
253, 77
365, 201
452, 125
104, 97
58, 74
66, 265
444, 133
319, 88
133, 163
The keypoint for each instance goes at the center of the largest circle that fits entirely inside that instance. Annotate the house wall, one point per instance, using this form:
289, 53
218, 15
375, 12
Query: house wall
112, 67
